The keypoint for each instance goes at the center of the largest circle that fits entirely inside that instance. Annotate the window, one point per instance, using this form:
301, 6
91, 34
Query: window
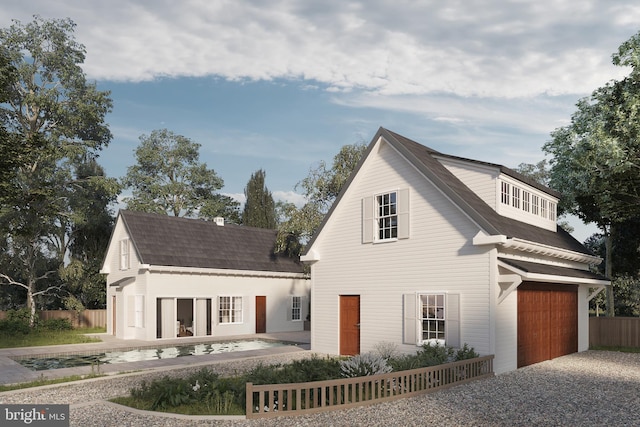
544, 211
515, 197
526, 204
552, 211
387, 216
505, 193
432, 318
535, 203
229, 309
296, 308
124, 254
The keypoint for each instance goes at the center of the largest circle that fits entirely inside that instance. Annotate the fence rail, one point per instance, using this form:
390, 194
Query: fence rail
614, 331
303, 398
84, 319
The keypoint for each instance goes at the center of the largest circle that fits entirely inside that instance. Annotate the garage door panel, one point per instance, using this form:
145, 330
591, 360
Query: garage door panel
547, 322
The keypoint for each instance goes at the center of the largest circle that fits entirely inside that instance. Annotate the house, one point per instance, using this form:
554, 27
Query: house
170, 277
422, 247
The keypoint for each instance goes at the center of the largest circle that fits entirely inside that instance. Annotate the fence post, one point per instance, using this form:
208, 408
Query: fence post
249, 400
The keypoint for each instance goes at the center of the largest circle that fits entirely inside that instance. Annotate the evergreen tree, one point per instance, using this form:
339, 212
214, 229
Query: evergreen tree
259, 209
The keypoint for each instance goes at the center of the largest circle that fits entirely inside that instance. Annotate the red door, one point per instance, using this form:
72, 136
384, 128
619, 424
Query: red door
349, 325
261, 314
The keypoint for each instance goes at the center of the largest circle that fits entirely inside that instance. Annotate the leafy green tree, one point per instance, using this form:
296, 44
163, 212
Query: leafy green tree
596, 159
320, 188
56, 120
259, 208
169, 178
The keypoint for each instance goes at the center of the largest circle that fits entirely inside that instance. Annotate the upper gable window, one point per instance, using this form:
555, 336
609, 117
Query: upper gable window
125, 262
387, 215
522, 199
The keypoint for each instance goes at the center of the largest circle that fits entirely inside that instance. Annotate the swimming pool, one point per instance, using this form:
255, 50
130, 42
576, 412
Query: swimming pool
144, 354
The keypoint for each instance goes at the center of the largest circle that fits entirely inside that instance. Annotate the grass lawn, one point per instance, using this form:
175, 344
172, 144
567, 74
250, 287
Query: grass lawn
46, 337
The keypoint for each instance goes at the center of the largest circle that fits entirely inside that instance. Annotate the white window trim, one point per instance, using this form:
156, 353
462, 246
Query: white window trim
421, 340
412, 318
377, 217
299, 308
125, 254
231, 309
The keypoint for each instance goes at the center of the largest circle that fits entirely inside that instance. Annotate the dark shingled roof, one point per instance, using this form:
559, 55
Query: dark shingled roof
423, 158
553, 270
163, 240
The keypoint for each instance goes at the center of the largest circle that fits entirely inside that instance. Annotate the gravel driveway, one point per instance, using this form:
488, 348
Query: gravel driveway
593, 388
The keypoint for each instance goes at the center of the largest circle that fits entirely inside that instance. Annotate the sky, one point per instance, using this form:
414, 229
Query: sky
281, 85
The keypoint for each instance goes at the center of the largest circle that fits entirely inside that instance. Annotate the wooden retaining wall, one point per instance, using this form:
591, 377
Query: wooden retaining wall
614, 331
303, 398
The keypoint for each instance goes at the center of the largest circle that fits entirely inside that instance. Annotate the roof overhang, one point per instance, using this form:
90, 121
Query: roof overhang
520, 271
522, 245
221, 272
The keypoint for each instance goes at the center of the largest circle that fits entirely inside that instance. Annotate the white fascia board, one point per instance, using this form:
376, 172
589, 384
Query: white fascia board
310, 257
522, 245
551, 278
224, 272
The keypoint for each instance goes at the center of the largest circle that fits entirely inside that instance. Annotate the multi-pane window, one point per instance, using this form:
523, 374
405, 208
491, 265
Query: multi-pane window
526, 201
296, 308
515, 197
432, 318
552, 211
124, 254
229, 309
520, 198
387, 216
544, 210
505, 193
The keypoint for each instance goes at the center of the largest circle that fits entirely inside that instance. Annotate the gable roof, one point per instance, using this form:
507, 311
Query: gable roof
163, 240
424, 159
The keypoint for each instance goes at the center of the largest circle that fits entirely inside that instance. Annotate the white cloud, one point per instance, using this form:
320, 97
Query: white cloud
289, 196
495, 49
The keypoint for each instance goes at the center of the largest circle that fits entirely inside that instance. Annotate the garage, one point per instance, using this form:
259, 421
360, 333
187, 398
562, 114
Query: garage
547, 321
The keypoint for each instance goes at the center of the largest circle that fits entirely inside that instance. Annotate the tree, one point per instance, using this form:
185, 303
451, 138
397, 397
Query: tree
169, 178
596, 159
320, 187
55, 119
259, 208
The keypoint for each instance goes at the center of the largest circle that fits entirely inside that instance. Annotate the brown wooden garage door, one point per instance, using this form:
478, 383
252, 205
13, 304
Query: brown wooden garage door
547, 322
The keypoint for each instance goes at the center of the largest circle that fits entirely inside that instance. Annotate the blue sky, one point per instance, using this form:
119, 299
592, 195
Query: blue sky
281, 85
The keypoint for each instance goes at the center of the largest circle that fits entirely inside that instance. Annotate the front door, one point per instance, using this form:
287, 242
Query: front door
349, 325
261, 314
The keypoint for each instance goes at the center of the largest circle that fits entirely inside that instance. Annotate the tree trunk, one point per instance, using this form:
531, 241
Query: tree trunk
608, 267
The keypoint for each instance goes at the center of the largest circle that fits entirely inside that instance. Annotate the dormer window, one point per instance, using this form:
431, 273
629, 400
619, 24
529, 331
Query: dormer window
527, 204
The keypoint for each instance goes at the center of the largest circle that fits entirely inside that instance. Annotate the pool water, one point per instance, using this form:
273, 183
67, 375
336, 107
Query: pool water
144, 354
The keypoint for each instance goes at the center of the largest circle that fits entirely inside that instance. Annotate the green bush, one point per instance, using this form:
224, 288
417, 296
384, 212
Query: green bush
466, 352
56, 325
16, 323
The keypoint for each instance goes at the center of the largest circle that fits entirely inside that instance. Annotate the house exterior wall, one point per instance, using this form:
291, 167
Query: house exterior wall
192, 286
482, 180
430, 260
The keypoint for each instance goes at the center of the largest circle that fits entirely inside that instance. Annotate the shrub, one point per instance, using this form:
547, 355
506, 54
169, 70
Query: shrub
466, 352
386, 350
17, 322
363, 365
57, 325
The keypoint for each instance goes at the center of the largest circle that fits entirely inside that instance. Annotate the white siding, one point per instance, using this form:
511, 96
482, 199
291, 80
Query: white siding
430, 261
481, 179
